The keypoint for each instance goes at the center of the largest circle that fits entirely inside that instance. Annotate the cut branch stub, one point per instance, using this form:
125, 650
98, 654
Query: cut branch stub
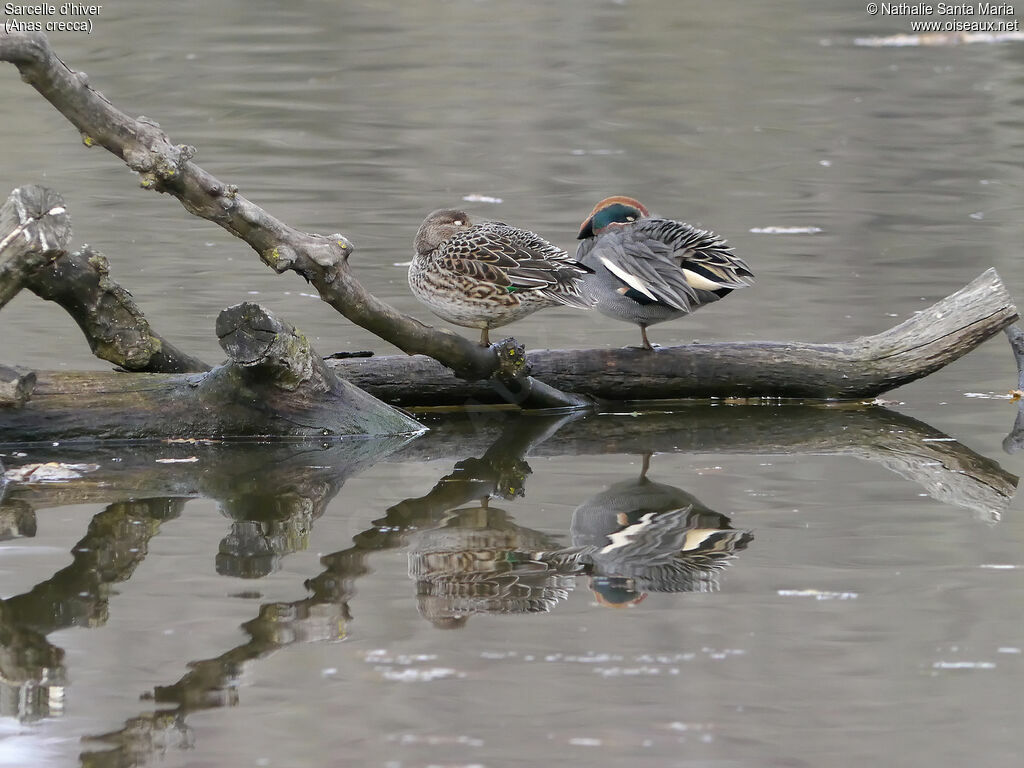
277, 386
254, 338
34, 229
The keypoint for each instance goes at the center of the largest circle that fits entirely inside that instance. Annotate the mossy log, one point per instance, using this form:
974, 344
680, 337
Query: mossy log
113, 324
35, 228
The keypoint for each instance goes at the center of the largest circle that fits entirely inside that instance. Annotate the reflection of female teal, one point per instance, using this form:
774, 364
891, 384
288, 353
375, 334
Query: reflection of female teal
462, 556
463, 567
639, 536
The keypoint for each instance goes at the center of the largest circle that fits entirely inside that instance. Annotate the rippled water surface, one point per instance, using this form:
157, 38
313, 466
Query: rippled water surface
831, 586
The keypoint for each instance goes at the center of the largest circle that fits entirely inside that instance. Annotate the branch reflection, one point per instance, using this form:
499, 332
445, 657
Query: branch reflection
466, 553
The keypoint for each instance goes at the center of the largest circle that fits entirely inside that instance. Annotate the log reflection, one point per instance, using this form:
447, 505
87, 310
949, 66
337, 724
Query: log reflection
946, 470
273, 492
32, 674
466, 553
458, 542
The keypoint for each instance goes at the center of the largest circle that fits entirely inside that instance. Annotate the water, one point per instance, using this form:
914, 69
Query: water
287, 605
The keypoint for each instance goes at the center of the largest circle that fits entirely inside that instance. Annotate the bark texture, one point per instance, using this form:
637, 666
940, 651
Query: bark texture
862, 368
273, 385
34, 230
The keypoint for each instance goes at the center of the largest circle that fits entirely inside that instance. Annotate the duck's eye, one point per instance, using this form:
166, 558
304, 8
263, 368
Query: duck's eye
458, 222
631, 218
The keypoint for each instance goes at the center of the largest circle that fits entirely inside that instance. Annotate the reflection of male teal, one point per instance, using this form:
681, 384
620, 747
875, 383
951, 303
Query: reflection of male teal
640, 536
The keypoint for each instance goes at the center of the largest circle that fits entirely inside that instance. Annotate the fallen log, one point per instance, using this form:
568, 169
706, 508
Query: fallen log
273, 385
862, 368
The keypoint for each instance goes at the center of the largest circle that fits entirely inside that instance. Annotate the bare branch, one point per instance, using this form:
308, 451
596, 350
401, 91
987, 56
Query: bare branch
166, 167
112, 322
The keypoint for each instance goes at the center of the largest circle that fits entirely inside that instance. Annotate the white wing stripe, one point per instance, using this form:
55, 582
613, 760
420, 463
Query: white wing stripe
631, 280
702, 283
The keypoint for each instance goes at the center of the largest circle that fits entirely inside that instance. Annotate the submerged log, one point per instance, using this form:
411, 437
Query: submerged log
273, 385
864, 367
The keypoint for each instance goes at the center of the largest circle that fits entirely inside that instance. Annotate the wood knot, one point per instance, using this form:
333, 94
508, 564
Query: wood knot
511, 359
279, 258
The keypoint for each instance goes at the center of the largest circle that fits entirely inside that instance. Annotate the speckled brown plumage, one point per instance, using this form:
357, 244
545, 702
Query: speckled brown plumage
487, 274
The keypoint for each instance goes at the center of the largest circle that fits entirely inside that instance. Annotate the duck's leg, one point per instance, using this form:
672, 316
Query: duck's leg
485, 338
643, 335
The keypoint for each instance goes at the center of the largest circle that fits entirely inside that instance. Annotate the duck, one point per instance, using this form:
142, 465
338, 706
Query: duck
647, 270
486, 274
